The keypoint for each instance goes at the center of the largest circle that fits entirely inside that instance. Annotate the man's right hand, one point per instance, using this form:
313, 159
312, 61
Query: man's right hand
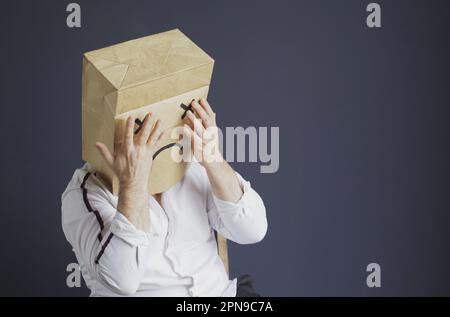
131, 162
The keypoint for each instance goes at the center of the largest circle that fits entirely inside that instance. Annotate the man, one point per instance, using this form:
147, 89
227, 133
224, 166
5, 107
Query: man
134, 244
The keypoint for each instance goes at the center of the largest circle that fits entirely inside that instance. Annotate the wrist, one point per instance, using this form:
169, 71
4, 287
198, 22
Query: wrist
215, 168
133, 187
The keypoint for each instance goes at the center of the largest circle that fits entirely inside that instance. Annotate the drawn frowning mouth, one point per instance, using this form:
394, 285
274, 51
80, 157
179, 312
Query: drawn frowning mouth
167, 146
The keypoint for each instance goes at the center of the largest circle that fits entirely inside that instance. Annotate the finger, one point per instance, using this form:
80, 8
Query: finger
201, 113
196, 141
118, 135
205, 104
196, 125
197, 146
192, 135
160, 137
188, 121
155, 133
147, 127
105, 153
199, 110
188, 132
210, 134
129, 133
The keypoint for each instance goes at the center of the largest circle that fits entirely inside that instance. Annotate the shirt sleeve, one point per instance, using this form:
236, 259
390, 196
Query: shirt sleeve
243, 222
111, 247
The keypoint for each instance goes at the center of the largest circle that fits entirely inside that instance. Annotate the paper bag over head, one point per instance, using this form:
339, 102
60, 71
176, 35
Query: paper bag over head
159, 73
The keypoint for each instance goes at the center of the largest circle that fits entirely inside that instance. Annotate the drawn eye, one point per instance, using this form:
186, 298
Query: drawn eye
139, 124
186, 109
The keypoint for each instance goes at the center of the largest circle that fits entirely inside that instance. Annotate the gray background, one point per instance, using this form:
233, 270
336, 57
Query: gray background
363, 119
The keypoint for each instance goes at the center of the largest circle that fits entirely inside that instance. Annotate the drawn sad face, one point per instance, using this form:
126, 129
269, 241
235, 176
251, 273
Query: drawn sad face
138, 122
166, 171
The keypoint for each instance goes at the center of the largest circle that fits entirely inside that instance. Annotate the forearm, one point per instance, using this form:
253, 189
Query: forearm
224, 182
131, 162
243, 219
134, 204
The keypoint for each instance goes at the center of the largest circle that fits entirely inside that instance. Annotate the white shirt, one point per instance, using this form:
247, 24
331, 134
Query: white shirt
178, 257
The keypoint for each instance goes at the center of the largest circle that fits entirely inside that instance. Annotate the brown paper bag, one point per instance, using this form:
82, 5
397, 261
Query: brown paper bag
160, 73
